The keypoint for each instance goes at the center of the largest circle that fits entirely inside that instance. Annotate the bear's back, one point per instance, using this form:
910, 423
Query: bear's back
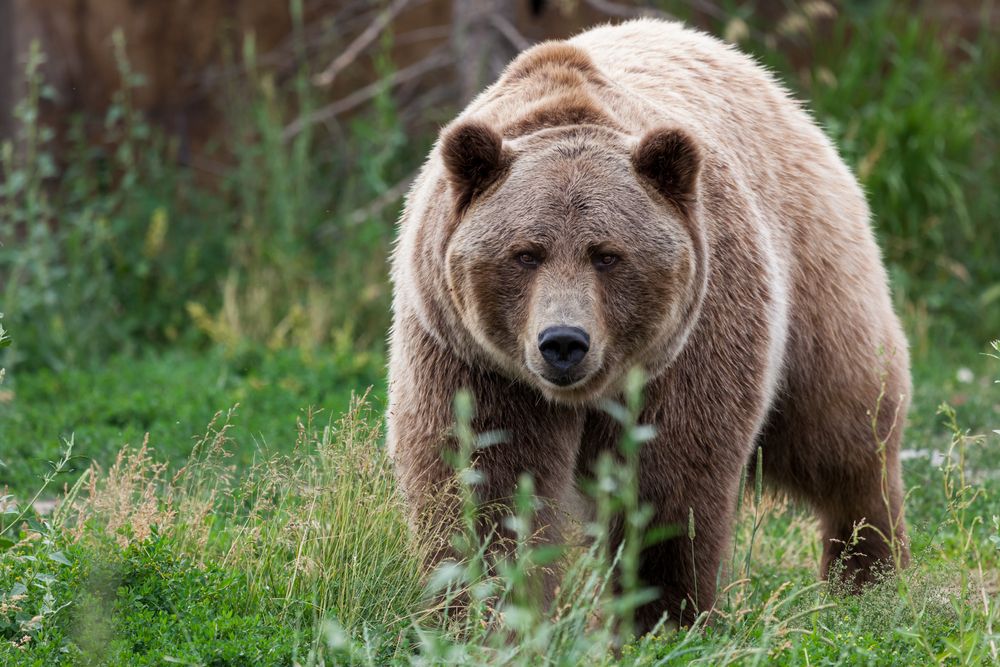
749, 124
684, 73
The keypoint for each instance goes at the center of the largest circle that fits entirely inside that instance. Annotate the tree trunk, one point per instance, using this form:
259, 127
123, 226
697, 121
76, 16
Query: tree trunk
8, 67
481, 49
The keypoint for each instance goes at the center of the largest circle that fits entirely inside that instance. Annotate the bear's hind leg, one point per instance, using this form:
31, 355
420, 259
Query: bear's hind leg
836, 444
861, 546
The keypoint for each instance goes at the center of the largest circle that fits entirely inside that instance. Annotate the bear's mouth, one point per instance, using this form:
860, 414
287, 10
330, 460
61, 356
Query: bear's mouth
564, 380
571, 388
567, 384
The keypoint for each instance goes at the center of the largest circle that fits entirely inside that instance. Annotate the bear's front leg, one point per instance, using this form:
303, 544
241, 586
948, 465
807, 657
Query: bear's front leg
696, 512
689, 475
684, 567
682, 477
535, 437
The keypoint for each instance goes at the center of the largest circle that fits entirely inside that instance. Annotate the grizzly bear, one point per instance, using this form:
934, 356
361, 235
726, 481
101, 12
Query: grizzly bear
644, 195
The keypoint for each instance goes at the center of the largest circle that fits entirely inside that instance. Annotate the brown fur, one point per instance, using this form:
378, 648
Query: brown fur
474, 156
670, 159
563, 111
747, 284
551, 57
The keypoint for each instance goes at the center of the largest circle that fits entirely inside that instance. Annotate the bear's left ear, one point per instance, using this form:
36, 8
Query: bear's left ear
475, 157
671, 160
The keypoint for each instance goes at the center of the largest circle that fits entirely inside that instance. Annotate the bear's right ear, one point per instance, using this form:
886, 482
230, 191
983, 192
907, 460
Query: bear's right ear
671, 160
475, 157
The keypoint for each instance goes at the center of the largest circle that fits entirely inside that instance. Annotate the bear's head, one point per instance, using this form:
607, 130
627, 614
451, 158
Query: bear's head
574, 253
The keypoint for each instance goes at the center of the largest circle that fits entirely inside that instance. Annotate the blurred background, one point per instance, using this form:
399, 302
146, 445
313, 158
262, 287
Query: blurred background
230, 171
198, 197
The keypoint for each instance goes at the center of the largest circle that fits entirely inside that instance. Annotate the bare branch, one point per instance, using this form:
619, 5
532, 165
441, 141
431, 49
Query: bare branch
422, 34
507, 29
481, 49
349, 16
360, 43
436, 60
710, 8
626, 11
376, 206
439, 98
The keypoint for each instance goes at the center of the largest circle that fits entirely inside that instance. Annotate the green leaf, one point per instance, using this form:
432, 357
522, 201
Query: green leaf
618, 411
643, 433
4, 338
546, 555
6, 543
990, 295
58, 557
445, 575
658, 534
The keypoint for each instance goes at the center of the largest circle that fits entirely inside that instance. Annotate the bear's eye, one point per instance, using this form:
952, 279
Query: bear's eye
528, 260
605, 260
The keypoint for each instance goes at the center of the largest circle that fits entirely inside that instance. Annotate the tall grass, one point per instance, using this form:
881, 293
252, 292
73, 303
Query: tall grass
92, 253
318, 538
307, 263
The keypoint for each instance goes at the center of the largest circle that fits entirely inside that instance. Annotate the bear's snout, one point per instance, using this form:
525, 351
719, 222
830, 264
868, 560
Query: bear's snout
563, 348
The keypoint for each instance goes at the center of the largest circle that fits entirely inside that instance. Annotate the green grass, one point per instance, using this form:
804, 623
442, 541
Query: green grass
303, 553
212, 560
141, 604
171, 397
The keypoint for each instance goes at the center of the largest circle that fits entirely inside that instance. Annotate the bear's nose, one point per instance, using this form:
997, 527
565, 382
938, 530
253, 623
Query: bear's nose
563, 347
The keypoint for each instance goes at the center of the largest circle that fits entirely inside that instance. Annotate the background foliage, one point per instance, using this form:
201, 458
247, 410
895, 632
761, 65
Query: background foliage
124, 249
